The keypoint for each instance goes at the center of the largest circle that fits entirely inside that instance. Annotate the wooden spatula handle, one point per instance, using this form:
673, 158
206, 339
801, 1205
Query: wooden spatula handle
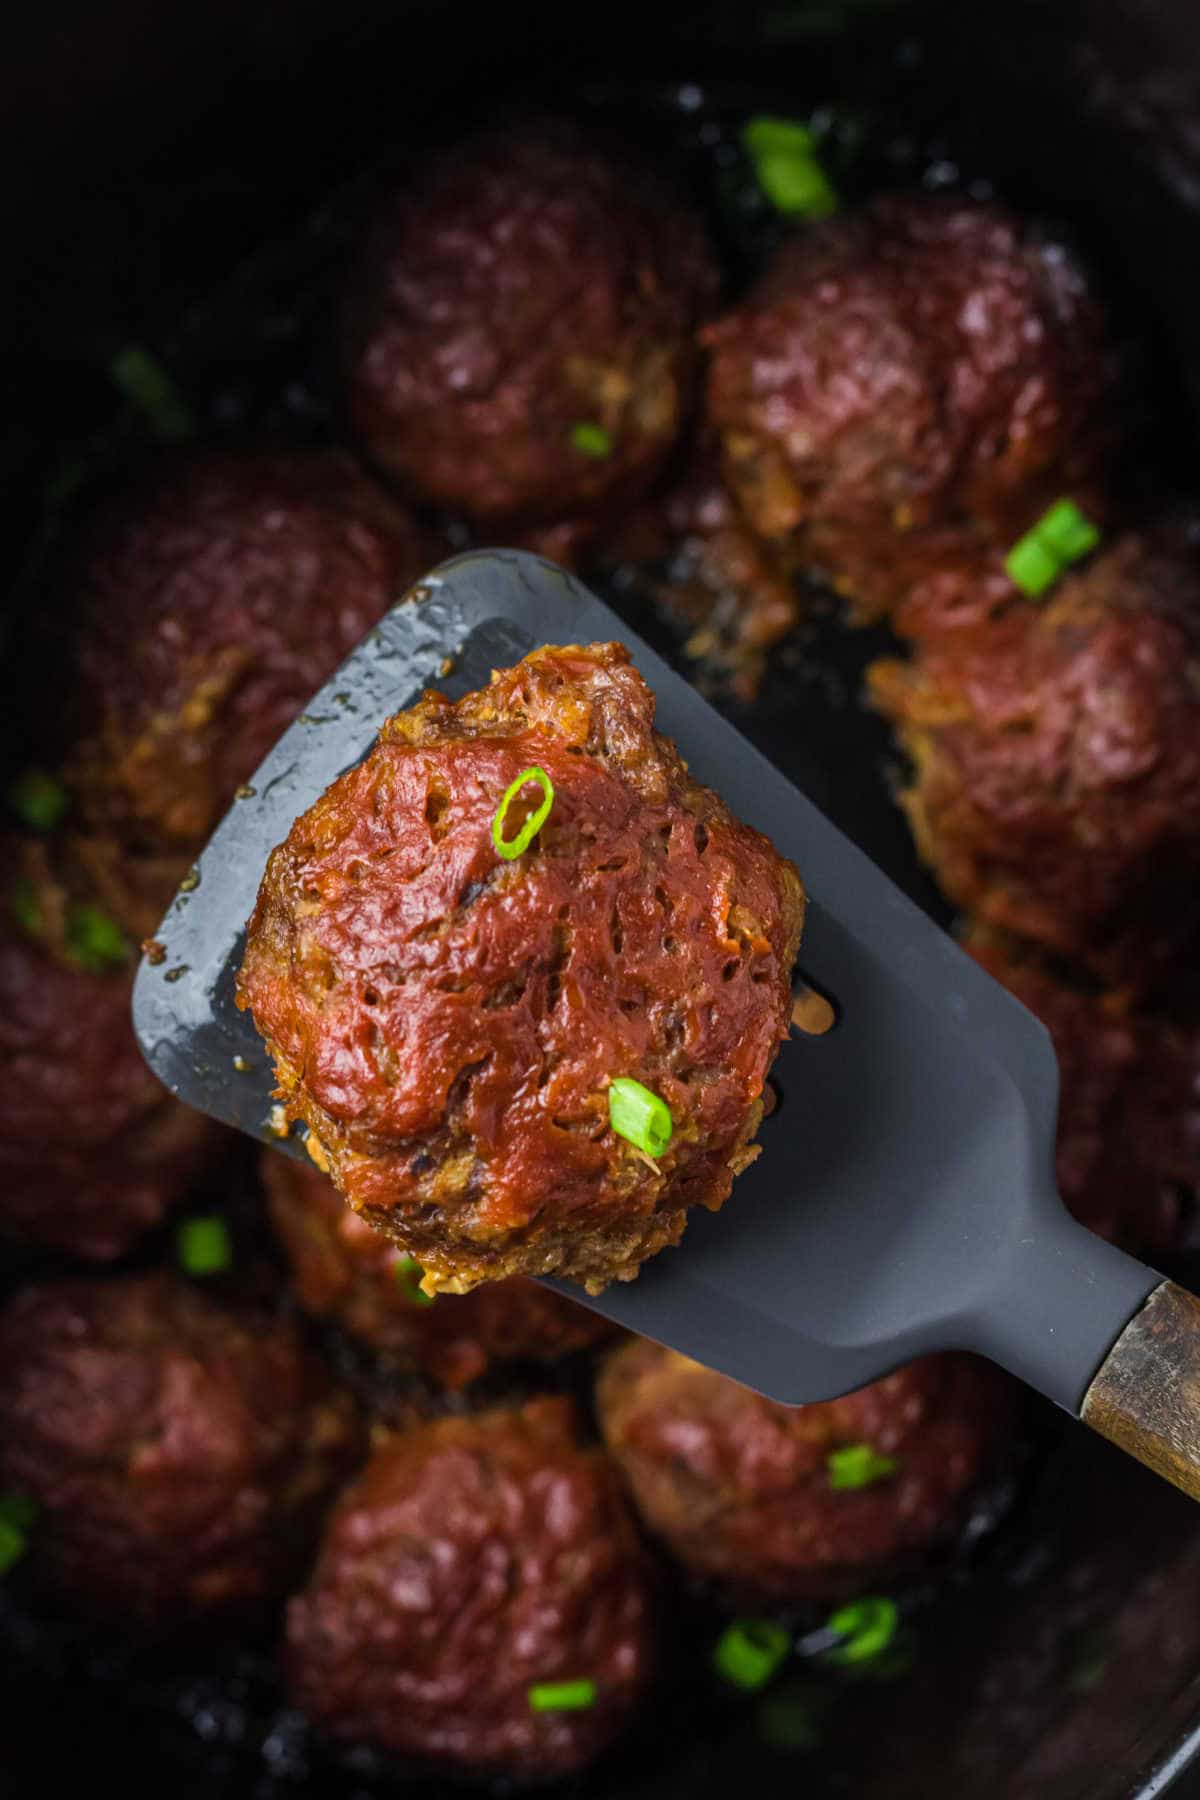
1145, 1397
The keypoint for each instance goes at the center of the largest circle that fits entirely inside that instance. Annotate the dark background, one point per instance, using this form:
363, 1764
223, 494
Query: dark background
149, 147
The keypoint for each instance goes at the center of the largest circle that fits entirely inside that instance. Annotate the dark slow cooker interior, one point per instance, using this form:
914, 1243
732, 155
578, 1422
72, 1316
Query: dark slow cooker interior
189, 184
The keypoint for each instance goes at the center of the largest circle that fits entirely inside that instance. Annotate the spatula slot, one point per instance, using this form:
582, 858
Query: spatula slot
813, 1013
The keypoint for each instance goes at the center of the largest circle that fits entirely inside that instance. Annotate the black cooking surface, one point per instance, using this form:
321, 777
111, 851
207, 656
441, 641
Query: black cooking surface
1065, 1548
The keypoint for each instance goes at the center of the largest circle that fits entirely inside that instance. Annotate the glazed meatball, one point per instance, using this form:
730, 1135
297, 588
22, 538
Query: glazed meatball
207, 603
93, 1151
448, 1021
687, 548
518, 340
1123, 1101
1056, 755
921, 363
178, 1454
343, 1269
946, 588
473, 1561
743, 1491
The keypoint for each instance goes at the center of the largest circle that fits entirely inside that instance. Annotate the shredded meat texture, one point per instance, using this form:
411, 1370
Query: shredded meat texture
94, 1152
447, 1023
1056, 758
919, 366
1129, 1109
740, 1489
474, 1558
178, 1454
207, 604
343, 1269
518, 295
945, 588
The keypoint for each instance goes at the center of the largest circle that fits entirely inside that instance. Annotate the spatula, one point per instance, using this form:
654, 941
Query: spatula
905, 1198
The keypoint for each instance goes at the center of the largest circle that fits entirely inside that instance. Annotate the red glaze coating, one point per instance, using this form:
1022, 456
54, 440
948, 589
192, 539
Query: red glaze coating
1123, 1102
178, 1454
1057, 759
943, 587
473, 1558
207, 605
447, 1023
516, 286
344, 1269
739, 1487
93, 1150
919, 363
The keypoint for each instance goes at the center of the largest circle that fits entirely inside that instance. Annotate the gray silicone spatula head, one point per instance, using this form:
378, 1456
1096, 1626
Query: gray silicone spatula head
904, 1200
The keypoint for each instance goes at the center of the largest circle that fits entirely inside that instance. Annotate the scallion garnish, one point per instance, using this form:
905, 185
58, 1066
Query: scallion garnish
1066, 532
95, 941
17, 1515
1032, 567
147, 386
19, 1509
784, 154
1062, 535
408, 1273
511, 848
37, 799
866, 1628
23, 904
637, 1114
204, 1246
591, 440
13, 1544
562, 1696
749, 1651
858, 1466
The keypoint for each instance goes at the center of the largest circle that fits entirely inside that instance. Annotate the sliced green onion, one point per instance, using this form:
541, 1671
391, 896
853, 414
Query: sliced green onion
1062, 535
408, 1273
204, 1246
18, 1509
1066, 532
95, 941
1032, 567
38, 800
635, 1113
789, 1717
147, 386
749, 1651
18, 1513
591, 440
858, 1466
511, 848
785, 161
13, 1544
866, 1628
23, 904
562, 1696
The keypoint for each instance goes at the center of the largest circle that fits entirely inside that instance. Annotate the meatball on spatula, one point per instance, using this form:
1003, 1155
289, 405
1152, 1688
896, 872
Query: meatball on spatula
470, 1074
